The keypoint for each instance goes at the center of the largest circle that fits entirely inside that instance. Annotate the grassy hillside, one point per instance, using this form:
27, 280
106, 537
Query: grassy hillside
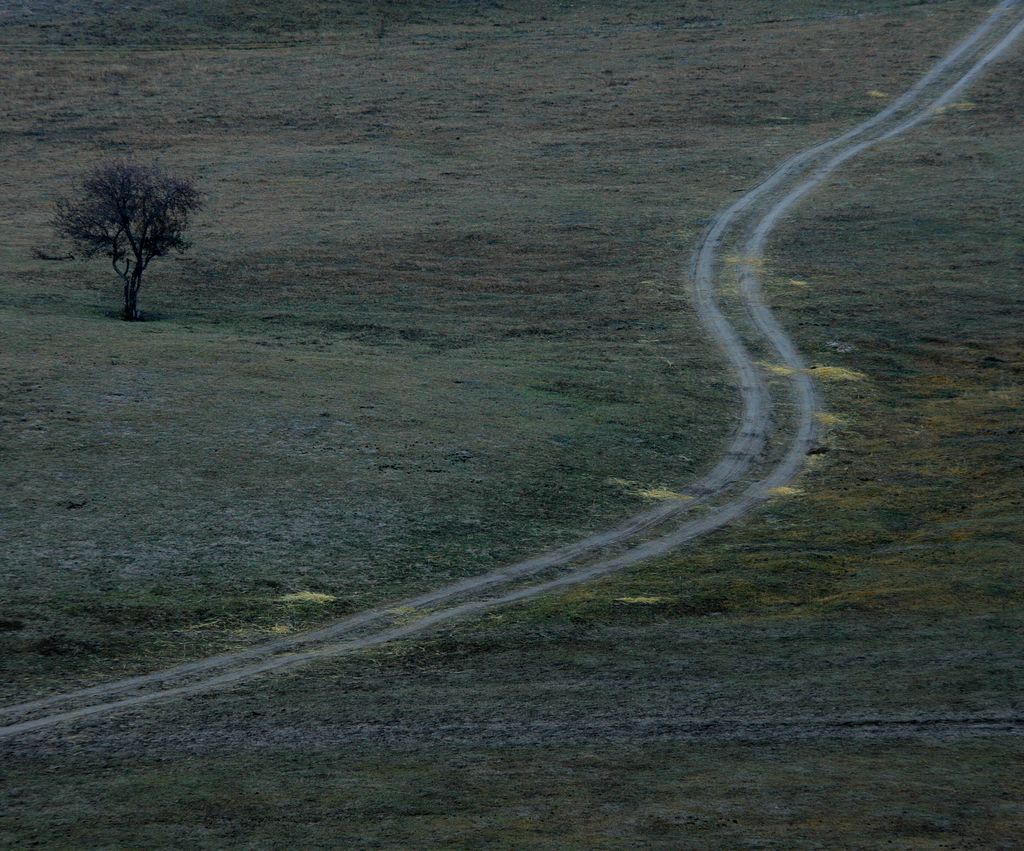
435, 318
831, 672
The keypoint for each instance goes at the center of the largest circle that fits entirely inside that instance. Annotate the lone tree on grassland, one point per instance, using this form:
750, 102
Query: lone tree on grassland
130, 213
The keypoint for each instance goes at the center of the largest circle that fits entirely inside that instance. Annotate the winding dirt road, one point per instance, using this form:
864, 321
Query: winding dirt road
754, 464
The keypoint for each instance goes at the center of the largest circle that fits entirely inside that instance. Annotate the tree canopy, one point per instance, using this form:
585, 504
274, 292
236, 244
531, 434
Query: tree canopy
130, 212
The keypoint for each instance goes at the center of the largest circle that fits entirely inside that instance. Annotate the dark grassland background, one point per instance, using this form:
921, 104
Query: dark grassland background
463, 243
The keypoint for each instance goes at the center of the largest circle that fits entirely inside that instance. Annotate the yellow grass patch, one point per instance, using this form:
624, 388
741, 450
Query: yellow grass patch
875, 93
307, 597
643, 601
962, 106
797, 282
821, 373
280, 629
785, 490
835, 373
661, 493
646, 493
740, 260
827, 419
824, 373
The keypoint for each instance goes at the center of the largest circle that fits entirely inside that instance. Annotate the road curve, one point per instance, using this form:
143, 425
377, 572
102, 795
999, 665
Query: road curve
760, 209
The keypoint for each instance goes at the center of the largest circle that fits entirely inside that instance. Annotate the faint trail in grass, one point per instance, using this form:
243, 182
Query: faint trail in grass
808, 169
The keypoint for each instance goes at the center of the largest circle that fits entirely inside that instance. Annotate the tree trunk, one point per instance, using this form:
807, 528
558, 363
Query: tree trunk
130, 310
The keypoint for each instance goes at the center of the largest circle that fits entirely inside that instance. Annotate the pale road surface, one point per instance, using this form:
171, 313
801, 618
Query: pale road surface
757, 212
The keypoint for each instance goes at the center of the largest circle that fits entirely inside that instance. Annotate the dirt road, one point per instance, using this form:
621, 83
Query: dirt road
754, 464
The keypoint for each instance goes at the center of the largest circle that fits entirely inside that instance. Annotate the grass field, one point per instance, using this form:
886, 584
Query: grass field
439, 356
435, 318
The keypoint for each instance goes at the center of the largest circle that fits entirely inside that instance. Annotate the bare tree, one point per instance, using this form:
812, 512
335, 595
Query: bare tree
131, 213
